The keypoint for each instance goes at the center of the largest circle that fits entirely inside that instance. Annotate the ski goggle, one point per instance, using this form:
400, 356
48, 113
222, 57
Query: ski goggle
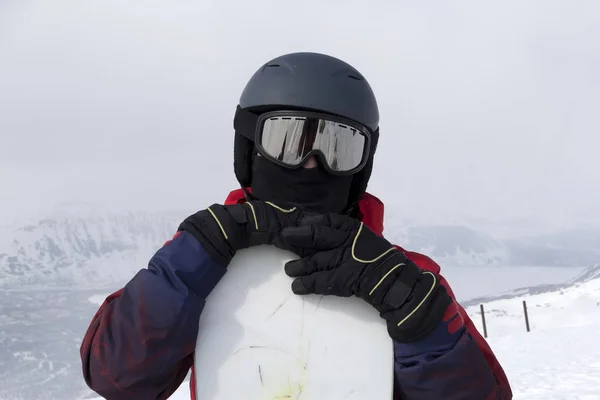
289, 138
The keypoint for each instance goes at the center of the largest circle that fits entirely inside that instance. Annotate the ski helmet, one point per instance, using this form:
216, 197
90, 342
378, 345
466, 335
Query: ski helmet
305, 82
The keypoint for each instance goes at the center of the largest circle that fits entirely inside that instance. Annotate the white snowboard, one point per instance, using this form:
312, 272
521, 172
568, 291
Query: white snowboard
259, 341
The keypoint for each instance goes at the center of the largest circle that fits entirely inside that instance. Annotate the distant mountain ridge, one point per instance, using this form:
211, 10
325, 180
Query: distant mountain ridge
97, 248
460, 244
591, 274
452, 244
81, 245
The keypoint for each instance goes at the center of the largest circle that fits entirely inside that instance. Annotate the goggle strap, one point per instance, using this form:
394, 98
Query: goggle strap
245, 122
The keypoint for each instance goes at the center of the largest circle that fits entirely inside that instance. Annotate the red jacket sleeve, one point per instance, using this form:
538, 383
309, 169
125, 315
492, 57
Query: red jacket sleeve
454, 362
140, 343
503, 387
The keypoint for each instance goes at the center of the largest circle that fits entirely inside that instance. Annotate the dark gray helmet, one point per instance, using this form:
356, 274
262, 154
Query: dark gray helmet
314, 82
305, 81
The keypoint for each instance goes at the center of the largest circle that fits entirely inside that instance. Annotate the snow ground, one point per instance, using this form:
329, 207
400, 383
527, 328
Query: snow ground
560, 357
576, 306
559, 364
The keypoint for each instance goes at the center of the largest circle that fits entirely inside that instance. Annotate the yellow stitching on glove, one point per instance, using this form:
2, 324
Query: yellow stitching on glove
422, 301
354, 245
279, 208
218, 222
385, 276
254, 214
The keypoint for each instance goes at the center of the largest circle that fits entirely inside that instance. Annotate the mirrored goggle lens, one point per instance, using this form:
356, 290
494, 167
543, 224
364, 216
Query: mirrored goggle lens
291, 139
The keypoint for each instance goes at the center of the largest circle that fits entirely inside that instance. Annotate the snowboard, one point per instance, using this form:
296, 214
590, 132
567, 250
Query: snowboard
257, 340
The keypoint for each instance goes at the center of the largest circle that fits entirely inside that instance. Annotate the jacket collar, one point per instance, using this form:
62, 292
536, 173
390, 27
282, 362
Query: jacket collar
370, 209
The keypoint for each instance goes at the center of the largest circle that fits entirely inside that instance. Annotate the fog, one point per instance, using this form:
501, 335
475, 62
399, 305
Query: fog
487, 110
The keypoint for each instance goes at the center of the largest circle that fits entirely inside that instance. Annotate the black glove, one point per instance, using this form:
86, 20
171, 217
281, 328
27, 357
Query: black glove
225, 229
343, 257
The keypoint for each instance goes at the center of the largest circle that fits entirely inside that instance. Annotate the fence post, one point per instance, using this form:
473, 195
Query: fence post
483, 321
526, 316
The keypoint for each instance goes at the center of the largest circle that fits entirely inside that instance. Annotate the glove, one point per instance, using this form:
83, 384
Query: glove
342, 257
225, 229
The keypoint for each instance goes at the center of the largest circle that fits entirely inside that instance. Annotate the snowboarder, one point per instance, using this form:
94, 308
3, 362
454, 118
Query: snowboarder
306, 130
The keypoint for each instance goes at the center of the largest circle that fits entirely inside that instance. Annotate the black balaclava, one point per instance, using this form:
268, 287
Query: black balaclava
311, 189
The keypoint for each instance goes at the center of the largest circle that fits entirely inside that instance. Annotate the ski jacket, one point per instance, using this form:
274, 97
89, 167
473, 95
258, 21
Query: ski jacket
140, 343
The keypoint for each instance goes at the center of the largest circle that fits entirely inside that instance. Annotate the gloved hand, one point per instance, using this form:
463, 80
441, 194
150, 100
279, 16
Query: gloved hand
225, 229
342, 257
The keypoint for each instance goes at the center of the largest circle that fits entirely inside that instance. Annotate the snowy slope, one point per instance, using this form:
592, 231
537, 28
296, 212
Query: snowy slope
561, 363
560, 357
573, 304
579, 285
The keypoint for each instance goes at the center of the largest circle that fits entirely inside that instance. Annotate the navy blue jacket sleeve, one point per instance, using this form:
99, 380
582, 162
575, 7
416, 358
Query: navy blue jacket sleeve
447, 365
141, 341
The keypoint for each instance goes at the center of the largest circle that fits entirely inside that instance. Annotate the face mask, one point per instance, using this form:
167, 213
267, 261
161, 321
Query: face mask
311, 189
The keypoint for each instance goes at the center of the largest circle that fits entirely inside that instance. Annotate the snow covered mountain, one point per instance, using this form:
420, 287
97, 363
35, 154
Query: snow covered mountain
567, 247
589, 277
75, 245
459, 244
451, 244
81, 246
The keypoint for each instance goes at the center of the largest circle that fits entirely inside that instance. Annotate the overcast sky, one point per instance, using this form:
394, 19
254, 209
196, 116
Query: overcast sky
488, 109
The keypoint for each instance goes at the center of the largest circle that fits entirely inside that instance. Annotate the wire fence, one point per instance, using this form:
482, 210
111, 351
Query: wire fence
525, 319
516, 315
566, 305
